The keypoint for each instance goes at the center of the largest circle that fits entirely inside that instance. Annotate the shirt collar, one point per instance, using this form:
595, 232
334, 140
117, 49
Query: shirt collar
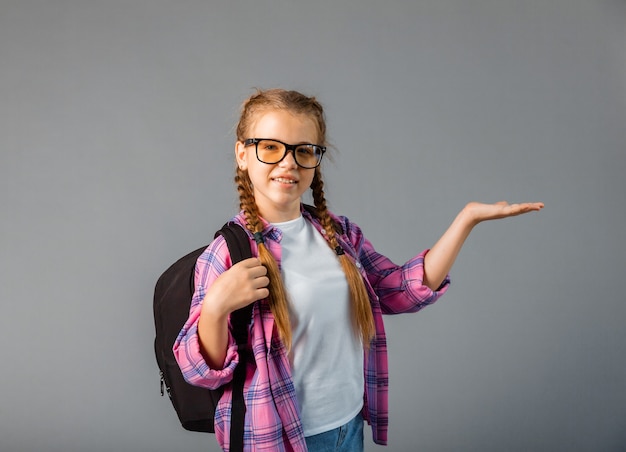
271, 232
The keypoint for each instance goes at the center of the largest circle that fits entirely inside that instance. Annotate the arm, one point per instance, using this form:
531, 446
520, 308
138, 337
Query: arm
205, 350
242, 284
396, 288
439, 260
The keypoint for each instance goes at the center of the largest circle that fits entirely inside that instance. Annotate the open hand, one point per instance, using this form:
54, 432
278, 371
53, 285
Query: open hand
481, 212
439, 260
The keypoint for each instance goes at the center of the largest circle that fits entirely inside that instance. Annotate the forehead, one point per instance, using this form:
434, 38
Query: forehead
285, 126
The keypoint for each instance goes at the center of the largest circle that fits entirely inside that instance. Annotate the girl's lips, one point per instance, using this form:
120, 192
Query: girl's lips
285, 180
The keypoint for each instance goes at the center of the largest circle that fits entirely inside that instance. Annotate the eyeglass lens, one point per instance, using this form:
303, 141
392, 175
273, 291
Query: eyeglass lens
306, 155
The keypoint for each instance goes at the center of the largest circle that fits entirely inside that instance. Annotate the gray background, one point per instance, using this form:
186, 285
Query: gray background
116, 138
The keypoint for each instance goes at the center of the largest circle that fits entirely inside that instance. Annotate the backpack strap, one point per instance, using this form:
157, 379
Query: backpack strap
239, 247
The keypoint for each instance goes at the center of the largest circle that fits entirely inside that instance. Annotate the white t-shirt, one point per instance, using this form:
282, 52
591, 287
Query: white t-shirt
326, 356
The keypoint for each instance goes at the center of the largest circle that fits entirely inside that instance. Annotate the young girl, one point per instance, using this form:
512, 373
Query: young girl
319, 291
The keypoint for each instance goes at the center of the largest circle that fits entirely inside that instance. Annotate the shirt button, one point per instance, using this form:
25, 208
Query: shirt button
358, 264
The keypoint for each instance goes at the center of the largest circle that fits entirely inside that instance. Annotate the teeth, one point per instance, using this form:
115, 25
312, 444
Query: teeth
284, 181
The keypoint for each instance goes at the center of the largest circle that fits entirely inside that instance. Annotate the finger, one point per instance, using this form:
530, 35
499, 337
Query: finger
252, 265
528, 206
259, 283
257, 272
251, 262
518, 209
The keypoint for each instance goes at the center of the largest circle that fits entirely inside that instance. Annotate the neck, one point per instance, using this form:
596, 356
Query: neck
280, 215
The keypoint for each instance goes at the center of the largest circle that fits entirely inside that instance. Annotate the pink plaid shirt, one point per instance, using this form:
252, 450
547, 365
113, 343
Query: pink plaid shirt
272, 417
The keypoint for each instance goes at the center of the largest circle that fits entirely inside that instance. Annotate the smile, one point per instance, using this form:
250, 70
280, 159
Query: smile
285, 181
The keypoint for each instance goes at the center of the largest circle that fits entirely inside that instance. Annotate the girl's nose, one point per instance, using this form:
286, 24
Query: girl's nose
289, 160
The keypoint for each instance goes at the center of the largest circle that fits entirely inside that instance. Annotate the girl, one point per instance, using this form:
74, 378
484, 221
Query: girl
319, 291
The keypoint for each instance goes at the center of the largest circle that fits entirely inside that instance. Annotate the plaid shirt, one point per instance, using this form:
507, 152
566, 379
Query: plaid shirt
272, 417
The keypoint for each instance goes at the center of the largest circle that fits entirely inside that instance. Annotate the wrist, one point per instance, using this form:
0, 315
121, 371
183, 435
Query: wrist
213, 310
468, 216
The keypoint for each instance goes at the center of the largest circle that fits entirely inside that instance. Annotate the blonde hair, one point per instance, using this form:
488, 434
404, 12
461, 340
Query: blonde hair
361, 311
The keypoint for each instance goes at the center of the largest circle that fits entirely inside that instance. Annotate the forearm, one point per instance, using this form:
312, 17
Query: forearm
239, 286
439, 260
213, 337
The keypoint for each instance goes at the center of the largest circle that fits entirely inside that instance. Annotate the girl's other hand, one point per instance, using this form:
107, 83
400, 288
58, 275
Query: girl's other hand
478, 212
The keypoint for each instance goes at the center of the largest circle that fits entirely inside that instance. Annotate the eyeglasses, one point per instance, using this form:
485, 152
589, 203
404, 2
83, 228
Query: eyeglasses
273, 151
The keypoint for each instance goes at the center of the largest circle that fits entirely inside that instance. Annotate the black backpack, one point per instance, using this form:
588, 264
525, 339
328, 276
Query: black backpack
195, 406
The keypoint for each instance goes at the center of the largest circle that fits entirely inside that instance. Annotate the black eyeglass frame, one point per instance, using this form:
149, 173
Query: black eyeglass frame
288, 147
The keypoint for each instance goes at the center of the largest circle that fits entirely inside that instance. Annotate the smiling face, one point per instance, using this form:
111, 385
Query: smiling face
278, 187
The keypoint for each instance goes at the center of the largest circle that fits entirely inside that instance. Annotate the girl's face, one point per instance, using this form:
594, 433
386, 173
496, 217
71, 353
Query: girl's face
278, 187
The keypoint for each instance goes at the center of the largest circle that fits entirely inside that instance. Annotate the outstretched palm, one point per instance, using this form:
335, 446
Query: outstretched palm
483, 212
439, 260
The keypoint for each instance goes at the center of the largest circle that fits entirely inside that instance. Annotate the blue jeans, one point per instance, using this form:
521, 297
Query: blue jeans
347, 438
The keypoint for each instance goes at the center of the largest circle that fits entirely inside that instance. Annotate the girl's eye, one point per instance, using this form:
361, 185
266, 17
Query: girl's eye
305, 151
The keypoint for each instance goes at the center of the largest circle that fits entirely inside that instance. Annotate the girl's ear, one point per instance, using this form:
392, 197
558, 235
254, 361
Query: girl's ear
241, 155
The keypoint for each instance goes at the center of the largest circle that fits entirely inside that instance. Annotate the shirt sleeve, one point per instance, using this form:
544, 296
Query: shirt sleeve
399, 288
210, 265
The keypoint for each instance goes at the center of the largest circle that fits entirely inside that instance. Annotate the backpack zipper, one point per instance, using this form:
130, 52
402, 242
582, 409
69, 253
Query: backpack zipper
164, 386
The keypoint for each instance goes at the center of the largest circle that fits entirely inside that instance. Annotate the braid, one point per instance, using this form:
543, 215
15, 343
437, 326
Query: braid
319, 199
362, 318
246, 197
278, 295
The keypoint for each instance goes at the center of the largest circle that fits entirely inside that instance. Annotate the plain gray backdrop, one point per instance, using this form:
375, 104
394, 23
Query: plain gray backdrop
116, 141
